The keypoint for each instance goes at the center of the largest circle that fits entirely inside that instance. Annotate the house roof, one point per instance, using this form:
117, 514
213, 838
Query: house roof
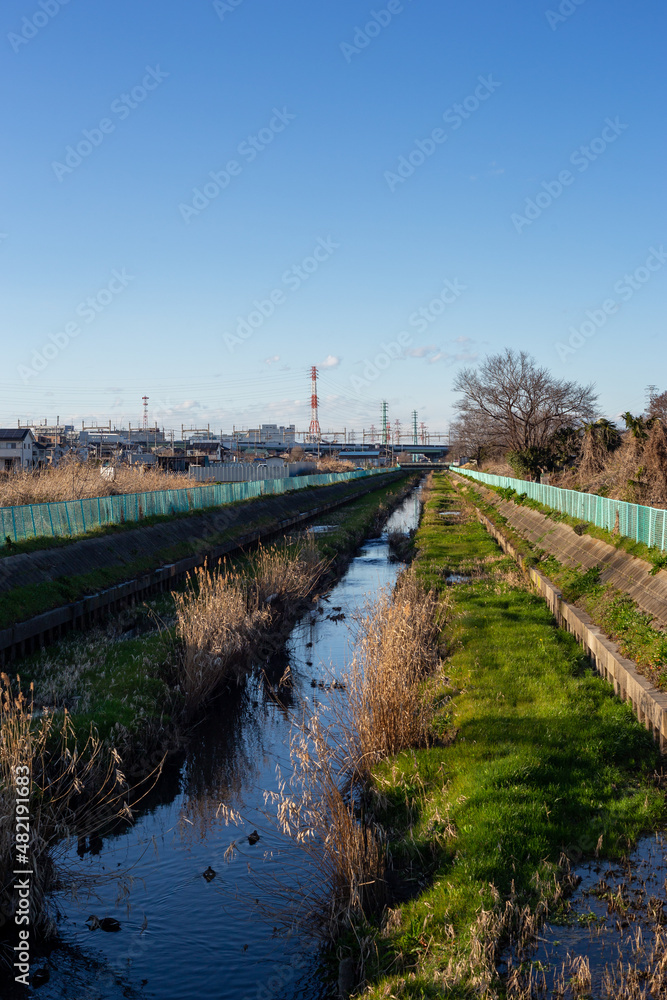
14, 433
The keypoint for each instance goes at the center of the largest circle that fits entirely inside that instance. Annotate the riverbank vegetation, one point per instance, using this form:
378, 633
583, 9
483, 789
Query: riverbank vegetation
221, 616
517, 419
112, 702
640, 638
73, 479
53, 787
536, 765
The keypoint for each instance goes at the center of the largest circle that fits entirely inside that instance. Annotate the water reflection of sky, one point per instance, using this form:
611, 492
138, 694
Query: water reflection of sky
184, 936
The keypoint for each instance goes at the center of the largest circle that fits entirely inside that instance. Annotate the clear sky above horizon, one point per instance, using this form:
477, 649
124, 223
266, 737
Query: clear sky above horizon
203, 200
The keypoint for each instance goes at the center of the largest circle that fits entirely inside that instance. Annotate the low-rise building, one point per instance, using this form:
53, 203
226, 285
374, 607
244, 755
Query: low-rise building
17, 449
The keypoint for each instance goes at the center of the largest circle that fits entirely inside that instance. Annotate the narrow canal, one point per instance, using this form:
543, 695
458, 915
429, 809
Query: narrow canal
187, 934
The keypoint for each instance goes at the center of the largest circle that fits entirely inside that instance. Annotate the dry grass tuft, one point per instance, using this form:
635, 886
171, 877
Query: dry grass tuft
388, 707
75, 480
216, 621
321, 813
221, 617
74, 790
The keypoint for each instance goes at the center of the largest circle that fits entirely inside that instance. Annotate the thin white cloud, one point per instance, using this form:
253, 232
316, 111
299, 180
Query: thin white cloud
331, 361
422, 352
272, 360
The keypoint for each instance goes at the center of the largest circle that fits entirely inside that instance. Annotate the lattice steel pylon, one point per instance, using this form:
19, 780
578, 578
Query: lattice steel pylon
314, 432
384, 421
145, 418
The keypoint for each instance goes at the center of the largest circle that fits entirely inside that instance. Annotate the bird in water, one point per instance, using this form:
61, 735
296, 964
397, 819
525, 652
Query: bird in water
104, 924
209, 874
253, 837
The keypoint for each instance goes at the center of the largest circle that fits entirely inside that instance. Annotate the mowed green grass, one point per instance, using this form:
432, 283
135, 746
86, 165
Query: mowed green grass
545, 760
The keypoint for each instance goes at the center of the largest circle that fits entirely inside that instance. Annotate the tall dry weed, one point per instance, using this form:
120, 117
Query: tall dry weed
221, 616
217, 619
388, 708
75, 789
322, 813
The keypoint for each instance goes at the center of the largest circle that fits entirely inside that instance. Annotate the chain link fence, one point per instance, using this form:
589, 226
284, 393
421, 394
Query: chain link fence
76, 517
643, 524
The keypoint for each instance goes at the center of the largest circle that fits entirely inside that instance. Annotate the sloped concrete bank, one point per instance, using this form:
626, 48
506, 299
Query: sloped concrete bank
648, 703
200, 534
623, 571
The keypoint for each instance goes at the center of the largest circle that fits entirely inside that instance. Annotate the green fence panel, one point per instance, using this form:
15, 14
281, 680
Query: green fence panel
643, 524
75, 517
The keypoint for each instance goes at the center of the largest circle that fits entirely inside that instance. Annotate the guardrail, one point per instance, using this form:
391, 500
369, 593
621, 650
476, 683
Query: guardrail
77, 517
643, 524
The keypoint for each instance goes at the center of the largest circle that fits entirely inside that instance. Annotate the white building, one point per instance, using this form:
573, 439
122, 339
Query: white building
17, 449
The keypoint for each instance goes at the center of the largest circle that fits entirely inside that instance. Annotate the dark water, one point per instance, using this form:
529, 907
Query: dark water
181, 935
613, 940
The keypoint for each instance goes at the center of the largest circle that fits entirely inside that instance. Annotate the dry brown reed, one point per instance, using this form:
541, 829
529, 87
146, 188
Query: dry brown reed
216, 620
74, 791
388, 708
221, 616
636, 471
322, 815
75, 480
382, 708
334, 465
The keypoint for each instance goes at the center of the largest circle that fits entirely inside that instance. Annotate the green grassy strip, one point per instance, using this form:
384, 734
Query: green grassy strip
617, 614
545, 759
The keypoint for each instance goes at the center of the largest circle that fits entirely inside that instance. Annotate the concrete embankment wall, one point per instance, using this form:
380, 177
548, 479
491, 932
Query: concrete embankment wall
617, 567
200, 532
648, 703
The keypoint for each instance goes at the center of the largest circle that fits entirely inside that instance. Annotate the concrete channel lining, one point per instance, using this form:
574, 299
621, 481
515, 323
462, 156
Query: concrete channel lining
648, 703
617, 567
25, 637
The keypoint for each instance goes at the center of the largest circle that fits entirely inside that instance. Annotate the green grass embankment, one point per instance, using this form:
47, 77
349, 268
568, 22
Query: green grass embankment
614, 611
542, 759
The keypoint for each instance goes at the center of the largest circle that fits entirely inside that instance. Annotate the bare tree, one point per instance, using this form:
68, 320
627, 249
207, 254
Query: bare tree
521, 404
470, 437
658, 407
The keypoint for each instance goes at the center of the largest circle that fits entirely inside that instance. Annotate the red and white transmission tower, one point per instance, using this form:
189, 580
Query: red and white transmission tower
145, 424
397, 432
422, 428
315, 433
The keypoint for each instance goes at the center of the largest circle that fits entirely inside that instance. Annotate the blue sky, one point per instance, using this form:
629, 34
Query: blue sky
334, 195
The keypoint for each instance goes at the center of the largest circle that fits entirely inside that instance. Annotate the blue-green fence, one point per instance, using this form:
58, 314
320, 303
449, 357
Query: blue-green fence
644, 524
76, 517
